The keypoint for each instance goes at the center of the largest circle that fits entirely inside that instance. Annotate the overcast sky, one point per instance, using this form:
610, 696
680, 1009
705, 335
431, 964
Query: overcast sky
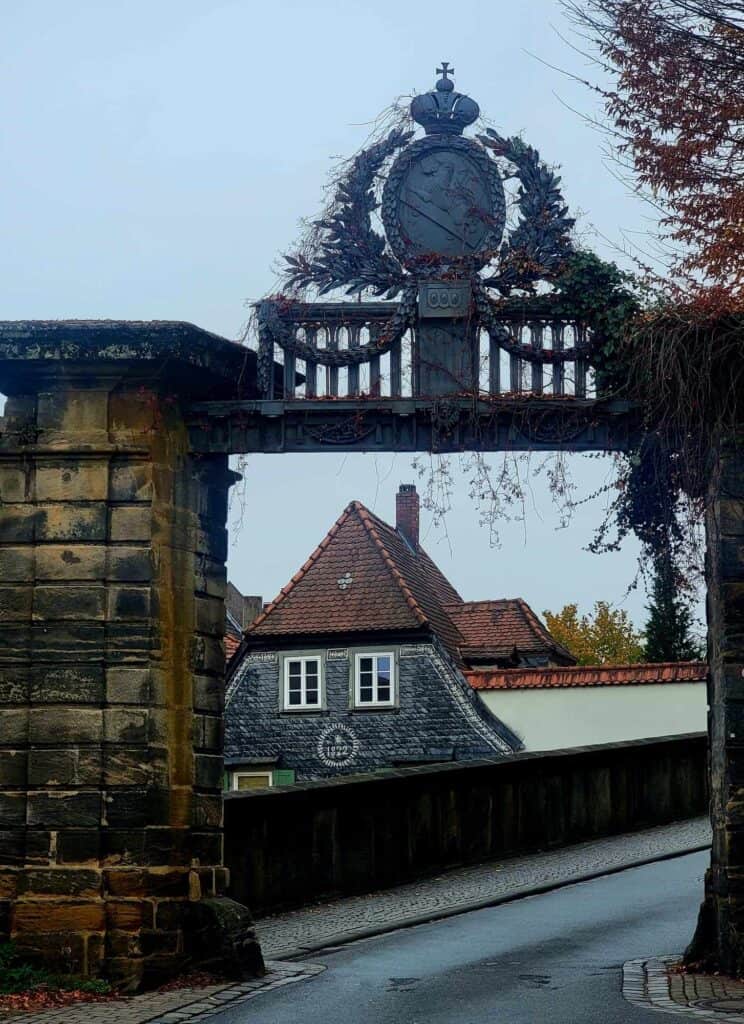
157, 157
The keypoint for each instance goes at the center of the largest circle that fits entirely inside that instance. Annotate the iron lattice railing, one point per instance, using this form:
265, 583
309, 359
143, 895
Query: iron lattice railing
350, 350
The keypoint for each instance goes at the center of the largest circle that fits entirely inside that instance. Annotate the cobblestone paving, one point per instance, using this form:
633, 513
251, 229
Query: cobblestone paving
330, 923
654, 983
183, 1006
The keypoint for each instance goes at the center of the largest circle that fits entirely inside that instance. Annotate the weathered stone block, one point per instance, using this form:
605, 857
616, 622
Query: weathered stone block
78, 846
125, 725
17, 523
12, 847
124, 766
125, 882
210, 615
70, 562
57, 951
135, 807
219, 934
14, 683
130, 481
14, 483
14, 726
71, 602
207, 810
126, 685
65, 766
16, 603
71, 479
129, 564
208, 693
64, 810
130, 523
40, 846
79, 414
122, 944
128, 602
71, 917
122, 846
129, 915
68, 641
208, 733
12, 810
128, 642
67, 684
16, 564
15, 642
76, 882
71, 522
8, 884
12, 769
210, 577
55, 725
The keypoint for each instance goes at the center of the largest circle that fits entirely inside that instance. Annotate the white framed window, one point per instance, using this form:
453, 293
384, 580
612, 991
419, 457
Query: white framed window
252, 780
374, 680
302, 683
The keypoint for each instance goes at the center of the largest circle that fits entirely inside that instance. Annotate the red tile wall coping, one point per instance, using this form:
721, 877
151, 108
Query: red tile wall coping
588, 675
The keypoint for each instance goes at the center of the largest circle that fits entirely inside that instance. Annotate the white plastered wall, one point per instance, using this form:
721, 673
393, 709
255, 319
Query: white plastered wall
579, 716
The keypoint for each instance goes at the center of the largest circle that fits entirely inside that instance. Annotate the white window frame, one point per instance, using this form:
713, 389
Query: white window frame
303, 705
375, 702
251, 775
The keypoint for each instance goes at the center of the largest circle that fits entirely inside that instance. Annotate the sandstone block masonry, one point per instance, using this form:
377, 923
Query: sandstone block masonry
112, 579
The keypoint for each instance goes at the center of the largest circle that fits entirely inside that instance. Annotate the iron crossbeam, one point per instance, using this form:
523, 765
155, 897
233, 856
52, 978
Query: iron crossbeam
412, 425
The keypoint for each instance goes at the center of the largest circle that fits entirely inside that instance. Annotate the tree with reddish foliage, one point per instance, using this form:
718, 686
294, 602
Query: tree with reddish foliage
676, 109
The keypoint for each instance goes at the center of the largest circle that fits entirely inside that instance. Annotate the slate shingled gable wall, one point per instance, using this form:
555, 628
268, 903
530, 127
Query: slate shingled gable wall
437, 713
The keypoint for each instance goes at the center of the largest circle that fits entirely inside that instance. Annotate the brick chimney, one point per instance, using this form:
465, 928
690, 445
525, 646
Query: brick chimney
407, 513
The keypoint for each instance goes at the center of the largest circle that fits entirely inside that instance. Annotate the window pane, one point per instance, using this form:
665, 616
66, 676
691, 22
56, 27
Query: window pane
253, 781
295, 668
311, 697
295, 685
295, 697
365, 694
383, 693
383, 667
365, 664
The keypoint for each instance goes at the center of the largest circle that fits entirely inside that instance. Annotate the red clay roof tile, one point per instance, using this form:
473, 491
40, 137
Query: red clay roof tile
495, 628
588, 675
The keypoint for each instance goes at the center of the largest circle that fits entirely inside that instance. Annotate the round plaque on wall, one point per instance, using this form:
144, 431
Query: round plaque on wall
337, 746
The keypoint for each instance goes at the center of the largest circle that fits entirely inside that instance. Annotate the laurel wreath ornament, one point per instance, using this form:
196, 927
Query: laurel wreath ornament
344, 251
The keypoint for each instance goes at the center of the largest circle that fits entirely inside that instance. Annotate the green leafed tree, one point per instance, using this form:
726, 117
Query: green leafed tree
669, 630
605, 636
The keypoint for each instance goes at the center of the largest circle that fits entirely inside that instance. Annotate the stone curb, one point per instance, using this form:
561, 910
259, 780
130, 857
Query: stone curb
198, 1005
646, 984
279, 974
518, 893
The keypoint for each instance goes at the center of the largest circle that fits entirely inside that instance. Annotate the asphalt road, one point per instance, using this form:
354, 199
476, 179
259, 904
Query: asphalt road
553, 958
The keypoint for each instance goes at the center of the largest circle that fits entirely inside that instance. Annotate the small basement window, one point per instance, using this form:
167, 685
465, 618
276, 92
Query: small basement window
374, 682
251, 780
302, 683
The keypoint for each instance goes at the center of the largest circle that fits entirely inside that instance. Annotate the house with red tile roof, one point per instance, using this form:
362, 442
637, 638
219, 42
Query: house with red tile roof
361, 661
579, 705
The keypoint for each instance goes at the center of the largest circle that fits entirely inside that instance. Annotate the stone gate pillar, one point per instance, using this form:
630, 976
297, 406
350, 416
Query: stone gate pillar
719, 939
112, 578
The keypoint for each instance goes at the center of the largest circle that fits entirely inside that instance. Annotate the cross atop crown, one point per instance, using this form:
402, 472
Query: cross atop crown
445, 84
